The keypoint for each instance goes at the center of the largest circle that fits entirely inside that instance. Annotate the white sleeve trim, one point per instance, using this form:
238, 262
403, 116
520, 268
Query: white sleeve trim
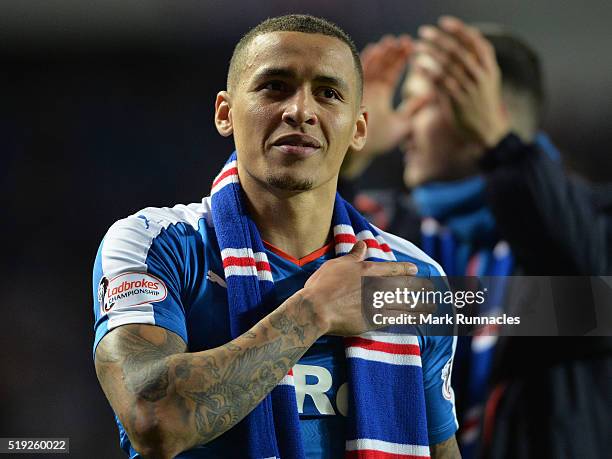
126, 247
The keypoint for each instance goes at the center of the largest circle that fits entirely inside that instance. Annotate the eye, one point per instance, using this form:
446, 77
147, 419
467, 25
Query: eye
275, 85
329, 93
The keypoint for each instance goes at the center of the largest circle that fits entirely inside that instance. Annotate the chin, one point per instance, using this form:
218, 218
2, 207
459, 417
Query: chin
289, 183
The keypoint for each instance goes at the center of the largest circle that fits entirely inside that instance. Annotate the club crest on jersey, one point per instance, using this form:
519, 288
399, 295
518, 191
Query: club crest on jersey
447, 390
102, 287
130, 289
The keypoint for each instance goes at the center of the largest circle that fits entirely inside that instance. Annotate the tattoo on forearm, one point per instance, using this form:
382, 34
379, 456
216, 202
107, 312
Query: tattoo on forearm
298, 322
246, 380
233, 347
251, 373
211, 392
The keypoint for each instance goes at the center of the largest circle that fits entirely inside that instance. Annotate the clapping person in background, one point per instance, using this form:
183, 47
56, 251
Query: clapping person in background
489, 196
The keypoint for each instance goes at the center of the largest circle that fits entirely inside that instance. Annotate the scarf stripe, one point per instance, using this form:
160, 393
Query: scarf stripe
370, 448
345, 238
272, 428
231, 177
356, 352
392, 338
390, 348
243, 262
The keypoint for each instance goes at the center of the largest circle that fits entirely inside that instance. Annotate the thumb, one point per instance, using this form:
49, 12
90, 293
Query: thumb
359, 250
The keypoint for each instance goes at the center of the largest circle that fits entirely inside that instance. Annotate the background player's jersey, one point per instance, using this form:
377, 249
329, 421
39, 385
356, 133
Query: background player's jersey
162, 266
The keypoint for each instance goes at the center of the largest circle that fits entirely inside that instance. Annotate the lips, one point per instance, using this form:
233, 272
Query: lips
297, 144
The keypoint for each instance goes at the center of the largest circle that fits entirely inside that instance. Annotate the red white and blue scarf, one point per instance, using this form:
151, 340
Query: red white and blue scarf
387, 417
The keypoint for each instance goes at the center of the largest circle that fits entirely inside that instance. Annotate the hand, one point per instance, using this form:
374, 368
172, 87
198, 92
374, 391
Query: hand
466, 69
383, 65
335, 289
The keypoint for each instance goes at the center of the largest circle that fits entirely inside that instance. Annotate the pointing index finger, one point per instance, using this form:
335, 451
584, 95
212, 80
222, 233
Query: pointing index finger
390, 268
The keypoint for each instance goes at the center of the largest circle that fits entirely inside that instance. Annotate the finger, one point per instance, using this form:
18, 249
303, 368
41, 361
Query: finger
387, 39
454, 90
366, 53
446, 85
453, 49
408, 283
385, 62
459, 30
445, 42
358, 251
397, 52
453, 82
374, 62
406, 42
472, 38
465, 64
440, 58
376, 49
417, 308
458, 73
389, 268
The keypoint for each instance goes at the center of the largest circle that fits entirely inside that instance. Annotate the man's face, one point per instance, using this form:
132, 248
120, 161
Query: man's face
435, 149
294, 110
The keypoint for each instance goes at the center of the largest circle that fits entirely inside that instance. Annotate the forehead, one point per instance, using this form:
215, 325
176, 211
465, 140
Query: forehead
307, 54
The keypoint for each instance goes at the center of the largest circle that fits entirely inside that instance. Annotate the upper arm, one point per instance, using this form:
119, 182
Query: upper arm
447, 449
139, 276
132, 369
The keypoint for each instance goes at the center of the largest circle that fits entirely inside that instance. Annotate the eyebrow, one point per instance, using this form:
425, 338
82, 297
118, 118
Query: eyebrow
280, 72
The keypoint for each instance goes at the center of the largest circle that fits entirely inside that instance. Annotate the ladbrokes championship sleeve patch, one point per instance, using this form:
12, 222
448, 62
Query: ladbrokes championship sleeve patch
130, 289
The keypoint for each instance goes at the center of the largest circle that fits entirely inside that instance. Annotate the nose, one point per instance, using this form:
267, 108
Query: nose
300, 109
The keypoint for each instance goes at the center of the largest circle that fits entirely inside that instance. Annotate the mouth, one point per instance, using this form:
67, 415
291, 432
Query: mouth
300, 145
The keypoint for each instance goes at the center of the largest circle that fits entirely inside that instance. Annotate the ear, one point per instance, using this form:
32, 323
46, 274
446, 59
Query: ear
361, 130
223, 114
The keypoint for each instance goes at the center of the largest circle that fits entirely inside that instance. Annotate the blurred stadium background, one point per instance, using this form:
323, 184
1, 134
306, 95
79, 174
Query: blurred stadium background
107, 107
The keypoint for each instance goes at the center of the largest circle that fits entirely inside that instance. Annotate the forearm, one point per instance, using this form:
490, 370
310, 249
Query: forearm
213, 390
171, 404
448, 449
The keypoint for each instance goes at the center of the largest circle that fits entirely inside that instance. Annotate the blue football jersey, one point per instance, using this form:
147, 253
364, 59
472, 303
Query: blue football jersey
162, 266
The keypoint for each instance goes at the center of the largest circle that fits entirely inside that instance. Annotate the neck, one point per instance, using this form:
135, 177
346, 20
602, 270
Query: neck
298, 223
